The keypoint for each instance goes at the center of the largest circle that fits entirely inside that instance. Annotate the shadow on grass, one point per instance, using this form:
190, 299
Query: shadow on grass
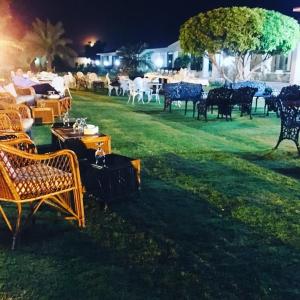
169, 243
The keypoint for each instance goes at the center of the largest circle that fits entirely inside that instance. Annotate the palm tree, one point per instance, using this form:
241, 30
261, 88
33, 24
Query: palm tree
47, 40
133, 59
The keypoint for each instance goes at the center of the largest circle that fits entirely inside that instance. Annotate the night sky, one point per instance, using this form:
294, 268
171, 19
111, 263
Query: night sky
120, 22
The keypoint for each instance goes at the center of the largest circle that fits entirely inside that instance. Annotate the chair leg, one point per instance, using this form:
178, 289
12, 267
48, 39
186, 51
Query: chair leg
17, 228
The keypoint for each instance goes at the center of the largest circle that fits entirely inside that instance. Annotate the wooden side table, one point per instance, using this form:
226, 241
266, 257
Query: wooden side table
65, 138
42, 115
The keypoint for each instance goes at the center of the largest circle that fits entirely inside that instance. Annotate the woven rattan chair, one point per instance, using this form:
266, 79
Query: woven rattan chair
23, 109
18, 123
58, 106
5, 123
52, 179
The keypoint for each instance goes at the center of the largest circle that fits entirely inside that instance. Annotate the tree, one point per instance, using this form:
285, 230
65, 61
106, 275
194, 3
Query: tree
240, 32
91, 50
182, 61
47, 40
9, 47
133, 60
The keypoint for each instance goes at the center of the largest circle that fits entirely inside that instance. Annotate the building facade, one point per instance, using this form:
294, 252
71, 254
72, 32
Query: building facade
279, 68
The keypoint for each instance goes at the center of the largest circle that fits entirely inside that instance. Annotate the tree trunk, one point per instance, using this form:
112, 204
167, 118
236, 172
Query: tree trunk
49, 64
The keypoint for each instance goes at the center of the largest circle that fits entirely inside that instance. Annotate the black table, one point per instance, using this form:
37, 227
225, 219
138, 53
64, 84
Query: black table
118, 178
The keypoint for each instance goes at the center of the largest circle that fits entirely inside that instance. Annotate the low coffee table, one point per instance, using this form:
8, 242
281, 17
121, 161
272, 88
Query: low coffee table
42, 115
66, 138
117, 178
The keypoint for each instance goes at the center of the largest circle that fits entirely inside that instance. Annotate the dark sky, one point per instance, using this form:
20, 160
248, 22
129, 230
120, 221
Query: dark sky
118, 22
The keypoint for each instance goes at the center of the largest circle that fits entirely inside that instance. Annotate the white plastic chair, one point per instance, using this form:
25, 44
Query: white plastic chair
133, 92
110, 87
124, 86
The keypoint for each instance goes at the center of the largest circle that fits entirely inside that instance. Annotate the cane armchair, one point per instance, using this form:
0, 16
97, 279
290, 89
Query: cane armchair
51, 179
5, 124
58, 106
22, 95
23, 109
17, 122
7, 98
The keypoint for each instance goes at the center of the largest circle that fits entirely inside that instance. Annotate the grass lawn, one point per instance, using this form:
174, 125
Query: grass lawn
217, 216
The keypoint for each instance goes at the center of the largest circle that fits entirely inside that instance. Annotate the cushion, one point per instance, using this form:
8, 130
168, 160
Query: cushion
11, 89
25, 99
27, 124
8, 166
40, 179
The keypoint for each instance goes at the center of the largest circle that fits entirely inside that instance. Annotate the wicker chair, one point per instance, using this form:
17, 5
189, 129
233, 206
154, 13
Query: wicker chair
5, 124
24, 95
58, 106
52, 179
17, 121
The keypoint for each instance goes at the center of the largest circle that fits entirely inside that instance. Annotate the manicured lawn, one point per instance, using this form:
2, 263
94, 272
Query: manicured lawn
218, 216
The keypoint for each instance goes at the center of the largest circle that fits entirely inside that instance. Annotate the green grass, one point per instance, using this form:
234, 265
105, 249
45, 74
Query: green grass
217, 216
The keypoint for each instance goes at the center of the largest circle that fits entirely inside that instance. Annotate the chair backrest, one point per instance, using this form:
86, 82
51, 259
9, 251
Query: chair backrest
191, 91
139, 83
15, 118
243, 95
288, 114
172, 91
261, 87
107, 79
59, 84
218, 95
79, 74
124, 84
5, 123
183, 91
290, 93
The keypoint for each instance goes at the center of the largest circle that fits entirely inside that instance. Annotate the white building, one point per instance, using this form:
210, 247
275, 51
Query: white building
278, 68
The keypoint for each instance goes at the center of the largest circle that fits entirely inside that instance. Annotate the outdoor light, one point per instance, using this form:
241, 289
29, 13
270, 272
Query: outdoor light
296, 9
97, 62
106, 63
158, 62
117, 62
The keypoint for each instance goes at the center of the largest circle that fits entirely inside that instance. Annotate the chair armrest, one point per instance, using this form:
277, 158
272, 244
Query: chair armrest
25, 91
23, 144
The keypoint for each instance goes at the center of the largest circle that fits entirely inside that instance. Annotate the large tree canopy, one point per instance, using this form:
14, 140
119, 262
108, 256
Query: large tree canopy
240, 32
47, 40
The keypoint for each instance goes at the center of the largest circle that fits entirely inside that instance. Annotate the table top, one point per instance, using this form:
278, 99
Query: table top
114, 162
66, 133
